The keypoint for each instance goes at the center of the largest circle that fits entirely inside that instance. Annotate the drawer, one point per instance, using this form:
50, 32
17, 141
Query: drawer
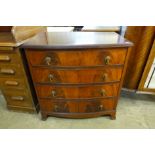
68, 58
17, 98
11, 71
12, 83
97, 106
9, 57
75, 107
77, 92
58, 107
75, 76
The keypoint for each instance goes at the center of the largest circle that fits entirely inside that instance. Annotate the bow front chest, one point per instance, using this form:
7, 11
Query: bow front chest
77, 74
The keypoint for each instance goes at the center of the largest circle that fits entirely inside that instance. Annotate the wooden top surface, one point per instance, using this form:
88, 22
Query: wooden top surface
6, 39
70, 40
13, 36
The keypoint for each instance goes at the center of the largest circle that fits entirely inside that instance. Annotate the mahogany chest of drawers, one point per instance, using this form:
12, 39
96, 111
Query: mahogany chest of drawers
77, 74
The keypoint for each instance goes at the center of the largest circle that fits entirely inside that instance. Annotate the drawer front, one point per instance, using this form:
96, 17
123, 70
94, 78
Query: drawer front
42, 75
11, 71
97, 106
9, 58
18, 98
63, 58
72, 92
12, 83
58, 107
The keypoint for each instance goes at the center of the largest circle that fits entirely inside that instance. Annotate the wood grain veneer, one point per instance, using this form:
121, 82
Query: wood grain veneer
77, 92
93, 57
72, 76
67, 71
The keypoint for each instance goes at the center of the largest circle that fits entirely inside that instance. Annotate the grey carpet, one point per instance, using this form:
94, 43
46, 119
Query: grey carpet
133, 111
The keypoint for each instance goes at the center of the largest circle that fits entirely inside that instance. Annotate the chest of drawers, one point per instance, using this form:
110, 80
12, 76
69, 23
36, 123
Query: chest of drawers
77, 74
14, 78
14, 82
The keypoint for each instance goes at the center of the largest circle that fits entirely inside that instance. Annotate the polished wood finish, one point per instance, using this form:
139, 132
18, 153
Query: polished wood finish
77, 92
112, 114
97, 106
76, 40
142, 37
64, 106
95, 57
71, 76
79, 79
80, 109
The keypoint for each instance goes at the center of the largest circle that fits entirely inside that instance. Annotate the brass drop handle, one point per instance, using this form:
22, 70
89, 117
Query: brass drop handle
101, 107
7, 71
103, 92
17, 98
107, 60
4, 58
104, 76
48, 60
51, 77
56, 107
11, 83
53, 93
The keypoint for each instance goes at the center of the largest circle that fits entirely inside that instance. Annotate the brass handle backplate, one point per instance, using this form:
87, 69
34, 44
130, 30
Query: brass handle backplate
104, 76
54, 93
102, 92
48, 60
51, 77
17, 98
56, 108
7, 71
101, 107
107, 60
4, 58
11, 83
